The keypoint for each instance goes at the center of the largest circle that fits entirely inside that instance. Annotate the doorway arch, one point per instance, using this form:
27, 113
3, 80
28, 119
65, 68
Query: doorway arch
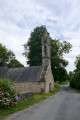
50, 87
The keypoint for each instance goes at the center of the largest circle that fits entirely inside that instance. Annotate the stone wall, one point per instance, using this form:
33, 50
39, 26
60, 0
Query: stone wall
37, 87
26, 96
34, 87
49, 80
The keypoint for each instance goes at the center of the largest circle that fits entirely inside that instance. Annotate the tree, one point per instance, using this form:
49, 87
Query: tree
7, 58
11, 56
15, 64
77, 63
70, 75
33, 52
58, 63
75, 79
5, 55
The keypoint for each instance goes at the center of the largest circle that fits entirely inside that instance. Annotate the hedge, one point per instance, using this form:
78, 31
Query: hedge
8, 96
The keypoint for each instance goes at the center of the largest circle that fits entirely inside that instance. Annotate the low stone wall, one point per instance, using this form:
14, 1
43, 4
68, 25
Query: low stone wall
26, 96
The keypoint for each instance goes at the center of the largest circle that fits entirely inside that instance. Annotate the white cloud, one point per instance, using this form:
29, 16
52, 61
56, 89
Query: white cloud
13, 38
19, 17
74, 39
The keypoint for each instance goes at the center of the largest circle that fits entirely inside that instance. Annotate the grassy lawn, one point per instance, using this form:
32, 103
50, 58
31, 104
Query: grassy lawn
63, 83
74, 89
22, 105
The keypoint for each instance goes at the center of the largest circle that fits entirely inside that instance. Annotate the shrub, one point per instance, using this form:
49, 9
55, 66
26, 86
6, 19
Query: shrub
8, 96
75, 80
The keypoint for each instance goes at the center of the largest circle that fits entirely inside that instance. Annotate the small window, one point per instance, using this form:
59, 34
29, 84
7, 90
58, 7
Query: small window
45, 41
45, 52
45, 49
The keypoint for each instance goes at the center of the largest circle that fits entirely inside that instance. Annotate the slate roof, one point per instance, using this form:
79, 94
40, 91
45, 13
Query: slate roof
3, 70
25, 74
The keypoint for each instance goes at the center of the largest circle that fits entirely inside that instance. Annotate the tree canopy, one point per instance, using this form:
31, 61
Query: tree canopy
77, 63
33, 51
58, 63
75, 79
7, 58
15, 64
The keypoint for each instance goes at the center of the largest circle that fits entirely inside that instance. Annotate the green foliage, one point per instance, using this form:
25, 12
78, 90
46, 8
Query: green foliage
8, 97
56, 87
15, 63
75, 79
77, 63
5, 55
70, 75
5, 84
7, 58
33, 52
58, 63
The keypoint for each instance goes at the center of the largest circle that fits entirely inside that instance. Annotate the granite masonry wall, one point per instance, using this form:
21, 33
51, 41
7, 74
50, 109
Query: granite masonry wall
49, 80
26, 96
35, 87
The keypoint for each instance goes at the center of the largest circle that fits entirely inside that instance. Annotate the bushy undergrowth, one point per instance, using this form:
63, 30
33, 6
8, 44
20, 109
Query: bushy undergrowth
8, 96
75, 80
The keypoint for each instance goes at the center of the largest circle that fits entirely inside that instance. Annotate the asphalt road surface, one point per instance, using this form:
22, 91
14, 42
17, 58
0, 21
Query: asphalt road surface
63, 106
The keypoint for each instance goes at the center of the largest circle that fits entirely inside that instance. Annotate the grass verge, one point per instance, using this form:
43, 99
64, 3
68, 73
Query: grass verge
78, 91
22, 105
63, 83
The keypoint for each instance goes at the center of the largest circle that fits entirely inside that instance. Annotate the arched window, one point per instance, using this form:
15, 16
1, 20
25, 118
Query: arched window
45, 49
45, 41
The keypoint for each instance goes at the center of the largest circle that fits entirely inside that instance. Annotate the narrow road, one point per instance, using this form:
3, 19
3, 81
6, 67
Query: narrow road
63, 106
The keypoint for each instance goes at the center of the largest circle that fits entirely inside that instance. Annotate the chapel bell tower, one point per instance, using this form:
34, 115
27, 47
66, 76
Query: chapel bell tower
46, 53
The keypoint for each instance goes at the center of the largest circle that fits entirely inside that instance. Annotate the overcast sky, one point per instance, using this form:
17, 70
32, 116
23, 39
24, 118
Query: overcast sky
19, 17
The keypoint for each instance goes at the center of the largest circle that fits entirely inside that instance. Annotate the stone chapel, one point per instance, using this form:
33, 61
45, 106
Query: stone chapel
34, 79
